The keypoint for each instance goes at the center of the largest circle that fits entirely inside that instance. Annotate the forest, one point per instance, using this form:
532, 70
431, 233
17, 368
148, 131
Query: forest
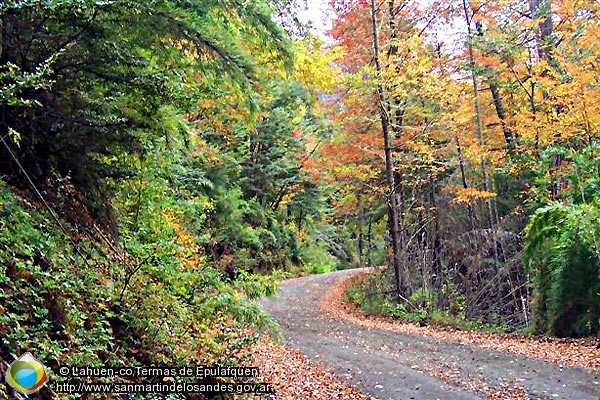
165, 164
490, 144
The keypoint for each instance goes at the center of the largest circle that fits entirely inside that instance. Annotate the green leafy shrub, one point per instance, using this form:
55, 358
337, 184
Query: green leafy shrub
563, 257
562, 244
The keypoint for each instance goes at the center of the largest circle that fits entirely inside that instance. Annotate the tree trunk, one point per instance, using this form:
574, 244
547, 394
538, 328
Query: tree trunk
479, 127
542, 9
370, 243
508, 134
389, 168
396, 108
360, 242
436, 243
463, 177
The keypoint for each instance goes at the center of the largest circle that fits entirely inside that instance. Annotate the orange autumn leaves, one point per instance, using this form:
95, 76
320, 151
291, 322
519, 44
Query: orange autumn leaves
470, 195
539, 100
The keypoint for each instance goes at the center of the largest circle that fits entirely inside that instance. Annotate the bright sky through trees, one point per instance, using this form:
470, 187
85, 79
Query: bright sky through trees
317, 13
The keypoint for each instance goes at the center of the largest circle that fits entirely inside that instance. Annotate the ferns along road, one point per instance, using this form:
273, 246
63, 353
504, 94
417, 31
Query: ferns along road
389, 365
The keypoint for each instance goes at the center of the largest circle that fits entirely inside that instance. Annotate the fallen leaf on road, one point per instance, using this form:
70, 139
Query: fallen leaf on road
571, 352
295, 377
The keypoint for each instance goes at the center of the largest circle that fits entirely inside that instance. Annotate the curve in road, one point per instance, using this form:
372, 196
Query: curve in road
390, 365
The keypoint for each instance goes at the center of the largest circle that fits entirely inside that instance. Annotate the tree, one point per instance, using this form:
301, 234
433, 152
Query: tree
108, 86
389, 169
472, 123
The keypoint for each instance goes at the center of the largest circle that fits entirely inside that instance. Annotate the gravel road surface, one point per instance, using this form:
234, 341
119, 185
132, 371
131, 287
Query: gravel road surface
389, 365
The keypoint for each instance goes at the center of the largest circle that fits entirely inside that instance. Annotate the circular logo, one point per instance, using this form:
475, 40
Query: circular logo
26, 374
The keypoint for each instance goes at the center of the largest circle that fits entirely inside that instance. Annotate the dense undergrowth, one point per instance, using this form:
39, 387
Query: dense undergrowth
70, 300
373, 295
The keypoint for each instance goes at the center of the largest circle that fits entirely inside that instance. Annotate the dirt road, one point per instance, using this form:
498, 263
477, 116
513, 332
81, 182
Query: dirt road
389, 365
